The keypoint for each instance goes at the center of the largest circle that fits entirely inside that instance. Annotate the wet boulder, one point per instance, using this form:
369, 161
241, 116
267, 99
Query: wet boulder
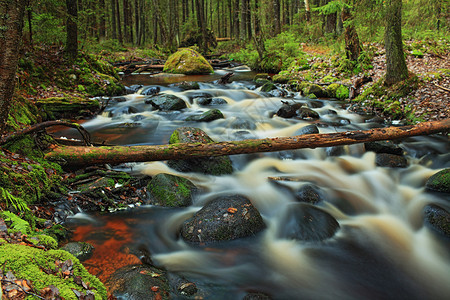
338, 91
309, 193
166, 102
187, 61
186, 85
390, 160
307, 223
207, 116
207, 165
383, 147
307, 113
80, 250
268, 86
308, 129
143, 282
152, 90
437, 219
222, 219
257, 296
316, 90
170, 190
439, 182
288, 110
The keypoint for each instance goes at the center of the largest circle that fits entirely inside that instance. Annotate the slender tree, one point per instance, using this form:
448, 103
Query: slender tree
307, 11
10, 36
396, 69
352, 44
276, 17
72, 29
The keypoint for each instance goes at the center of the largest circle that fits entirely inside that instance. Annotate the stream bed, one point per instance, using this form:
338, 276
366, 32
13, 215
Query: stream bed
382, 249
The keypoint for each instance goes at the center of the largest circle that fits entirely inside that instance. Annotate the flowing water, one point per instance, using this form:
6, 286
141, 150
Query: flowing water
381, 251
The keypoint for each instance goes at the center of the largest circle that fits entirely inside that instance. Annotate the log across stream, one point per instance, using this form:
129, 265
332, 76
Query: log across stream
382, 250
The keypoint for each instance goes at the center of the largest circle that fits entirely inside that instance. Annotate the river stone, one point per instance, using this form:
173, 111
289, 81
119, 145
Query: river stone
242, 124
222, 219
170, 190
207, 116
390, 160
186, 85
309, 193
166, 102
307, 223
289, 110
383, 147
81, 250
187, 61
139, 282
316, 90
307, 113
308, 129
152, 90
439, 182
257, 296
207, 165
438, 219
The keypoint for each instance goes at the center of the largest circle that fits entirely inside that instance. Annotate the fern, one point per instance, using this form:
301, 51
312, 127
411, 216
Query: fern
17, 224
15, 202
331, 7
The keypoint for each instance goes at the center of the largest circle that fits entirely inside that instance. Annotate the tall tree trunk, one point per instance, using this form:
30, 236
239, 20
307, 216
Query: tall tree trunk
276, 17
396, 69
113, 19
10, 37
352, 45
236, 19
136, 21
119, 26
258, 38
102, 21
30, 24
72, 29
307, 11
243, 29
202, 24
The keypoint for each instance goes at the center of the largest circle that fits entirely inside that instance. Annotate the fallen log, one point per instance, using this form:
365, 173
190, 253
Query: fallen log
77, 157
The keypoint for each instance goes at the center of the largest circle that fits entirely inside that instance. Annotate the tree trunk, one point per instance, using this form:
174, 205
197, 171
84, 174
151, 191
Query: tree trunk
396, 69
276, 17
72, 29
258, 38
352, 45
102, 21
307, 11
76, 157
113, 19
10, 36
236, 20
119, 26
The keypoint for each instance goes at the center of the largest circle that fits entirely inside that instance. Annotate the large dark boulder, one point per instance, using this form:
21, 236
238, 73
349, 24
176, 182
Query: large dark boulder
438, 219
307, 113
309, 193
139, 282
307, 223
207, 116
166, 102
170, 190
383, 147
206, 165
222, 219
439, 182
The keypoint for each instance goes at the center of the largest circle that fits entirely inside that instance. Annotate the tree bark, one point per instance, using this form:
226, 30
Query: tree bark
236, 19
307, 11
352, 45
76, 157
10, 37
276, 17
396, 69
72, 29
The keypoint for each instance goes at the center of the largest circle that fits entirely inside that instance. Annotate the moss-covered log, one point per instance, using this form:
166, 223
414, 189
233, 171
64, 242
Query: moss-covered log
75, 157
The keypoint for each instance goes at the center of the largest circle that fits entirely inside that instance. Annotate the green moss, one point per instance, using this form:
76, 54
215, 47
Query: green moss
172, 191
187, 61
22, 112
28, 263
68, 106
329, 79
440, 181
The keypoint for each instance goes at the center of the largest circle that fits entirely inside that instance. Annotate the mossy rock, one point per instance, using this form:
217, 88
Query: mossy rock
22, 112
207, 165
264, 76
170, 190
281, 78
222, 219
187, 61
28, 262
390, 160
328, 79
316, 90
167, 102
268, 86
68, 107
80, 250
338, 91
438, 219
207, 116
439, 182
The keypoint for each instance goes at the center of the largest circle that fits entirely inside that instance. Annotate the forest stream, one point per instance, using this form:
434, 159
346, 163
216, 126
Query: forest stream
381, 250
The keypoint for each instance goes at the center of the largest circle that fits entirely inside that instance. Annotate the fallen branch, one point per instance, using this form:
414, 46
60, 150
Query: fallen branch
441, 87
40, 126
84, 156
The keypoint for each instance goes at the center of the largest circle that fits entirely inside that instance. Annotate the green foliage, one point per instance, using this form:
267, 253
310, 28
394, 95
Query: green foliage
10, 200
16, 224
49, 29
331, 7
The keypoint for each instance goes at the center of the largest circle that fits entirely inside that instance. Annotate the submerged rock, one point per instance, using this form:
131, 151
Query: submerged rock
166, 102
187, 61
222, 219
308, 129
170, 190
152, 90
80, 250
383, 147
143, 282
207, 165
257, 296
438, 219
307, 113
390, 160
268, 86
307, 223
439, 182
309, 193
207, 116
